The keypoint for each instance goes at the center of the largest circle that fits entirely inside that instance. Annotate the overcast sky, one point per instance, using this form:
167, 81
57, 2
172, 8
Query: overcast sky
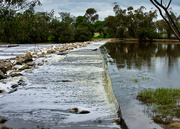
103, 7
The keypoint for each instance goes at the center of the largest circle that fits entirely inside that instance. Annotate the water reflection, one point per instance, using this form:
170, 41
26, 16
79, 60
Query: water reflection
132, 56
134, 67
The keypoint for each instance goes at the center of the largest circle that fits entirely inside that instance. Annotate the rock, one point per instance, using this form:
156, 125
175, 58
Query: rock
66, 81
19, 60
31, 63
14, 86
50, 51
62, 53
24, 67
27, 57
2, 91
12, 91
2, 121
40, 64
3, 67
21, 82
14, 74
74, 110
9, 66
2, 75
84, 112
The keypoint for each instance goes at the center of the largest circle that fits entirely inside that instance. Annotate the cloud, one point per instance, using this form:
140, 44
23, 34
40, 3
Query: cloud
103, 7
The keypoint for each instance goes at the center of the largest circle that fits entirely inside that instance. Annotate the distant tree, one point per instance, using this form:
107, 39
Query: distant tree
163, 5
80, 19
91, 15
83, 34
112, 24
100, 28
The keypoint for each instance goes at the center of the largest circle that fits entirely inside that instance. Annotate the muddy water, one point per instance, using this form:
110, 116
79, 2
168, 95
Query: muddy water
134, 67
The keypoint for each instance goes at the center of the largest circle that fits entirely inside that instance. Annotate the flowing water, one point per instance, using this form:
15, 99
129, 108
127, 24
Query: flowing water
135, 67
64, 82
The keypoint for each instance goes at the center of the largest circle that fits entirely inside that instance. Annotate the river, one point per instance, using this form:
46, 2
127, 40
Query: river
135, 67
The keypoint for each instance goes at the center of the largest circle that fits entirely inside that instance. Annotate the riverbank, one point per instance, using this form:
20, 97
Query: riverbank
161, 41
61, 90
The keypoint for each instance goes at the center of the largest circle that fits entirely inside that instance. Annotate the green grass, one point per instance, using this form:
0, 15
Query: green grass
165, 103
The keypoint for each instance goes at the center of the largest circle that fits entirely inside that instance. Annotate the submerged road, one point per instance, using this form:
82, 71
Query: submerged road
68, 91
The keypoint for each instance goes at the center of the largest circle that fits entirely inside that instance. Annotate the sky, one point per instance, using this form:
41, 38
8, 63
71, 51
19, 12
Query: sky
103, 7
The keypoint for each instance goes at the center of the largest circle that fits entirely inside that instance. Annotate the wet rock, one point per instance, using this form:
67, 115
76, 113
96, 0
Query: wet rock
94, 49
14, 86
84, 112
2, 91
3, 67
74, 110
22, 82
2, 75
12, 91
24, 67
66, 81
3, 120
40, 64
62, 53
19, 60
31, 63
14, 74
50, 51
4, 127
27, 57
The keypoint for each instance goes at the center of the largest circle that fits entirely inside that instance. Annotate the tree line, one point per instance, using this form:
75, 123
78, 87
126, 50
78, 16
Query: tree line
29, 26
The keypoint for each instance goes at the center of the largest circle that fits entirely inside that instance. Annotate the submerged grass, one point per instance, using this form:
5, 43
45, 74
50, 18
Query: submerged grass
165, 103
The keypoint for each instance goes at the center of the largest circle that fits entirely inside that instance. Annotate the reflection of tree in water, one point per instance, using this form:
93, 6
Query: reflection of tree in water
137, 55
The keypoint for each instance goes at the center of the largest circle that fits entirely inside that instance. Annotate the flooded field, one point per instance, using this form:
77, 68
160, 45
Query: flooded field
135, 67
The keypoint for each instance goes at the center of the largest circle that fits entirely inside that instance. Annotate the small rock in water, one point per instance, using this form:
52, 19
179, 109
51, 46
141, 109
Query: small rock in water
2, 91
14, 86
66, 81
2, 121
84, 112
62, 53
21, 82
12, 91
74, 110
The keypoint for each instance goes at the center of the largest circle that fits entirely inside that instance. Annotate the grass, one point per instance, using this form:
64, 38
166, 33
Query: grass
165, 103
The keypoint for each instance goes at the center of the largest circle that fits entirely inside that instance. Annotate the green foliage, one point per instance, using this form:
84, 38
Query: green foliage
83, 34
165, 103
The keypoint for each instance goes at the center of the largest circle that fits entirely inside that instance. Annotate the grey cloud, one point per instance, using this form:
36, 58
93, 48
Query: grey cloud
103, 7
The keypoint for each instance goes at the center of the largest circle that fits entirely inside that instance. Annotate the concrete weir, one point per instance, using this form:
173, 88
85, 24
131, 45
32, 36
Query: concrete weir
71, 90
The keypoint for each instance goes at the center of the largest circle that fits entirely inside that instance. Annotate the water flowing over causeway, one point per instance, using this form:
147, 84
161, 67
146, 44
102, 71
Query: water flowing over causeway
54, 89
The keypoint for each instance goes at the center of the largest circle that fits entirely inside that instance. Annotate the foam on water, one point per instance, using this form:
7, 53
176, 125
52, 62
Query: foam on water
64, 82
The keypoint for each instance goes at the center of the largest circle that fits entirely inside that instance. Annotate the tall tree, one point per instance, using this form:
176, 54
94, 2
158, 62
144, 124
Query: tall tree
163, 5
91, 15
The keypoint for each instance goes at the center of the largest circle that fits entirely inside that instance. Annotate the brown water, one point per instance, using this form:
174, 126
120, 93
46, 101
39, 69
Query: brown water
135, 67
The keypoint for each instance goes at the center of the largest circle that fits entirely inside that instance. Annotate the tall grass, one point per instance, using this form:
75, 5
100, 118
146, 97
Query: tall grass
165, 103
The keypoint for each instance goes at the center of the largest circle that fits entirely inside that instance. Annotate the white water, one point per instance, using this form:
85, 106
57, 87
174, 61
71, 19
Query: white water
64, 82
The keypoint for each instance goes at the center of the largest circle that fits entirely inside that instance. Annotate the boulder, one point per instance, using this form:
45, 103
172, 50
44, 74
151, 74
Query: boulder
31, 63
2, 75
3, 67
19, 60
14, 86
84, 112
27, 57
15, 74
24, 67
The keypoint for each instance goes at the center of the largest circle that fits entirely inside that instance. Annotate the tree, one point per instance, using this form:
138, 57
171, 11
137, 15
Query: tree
164, 6
91, 15
111, 23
